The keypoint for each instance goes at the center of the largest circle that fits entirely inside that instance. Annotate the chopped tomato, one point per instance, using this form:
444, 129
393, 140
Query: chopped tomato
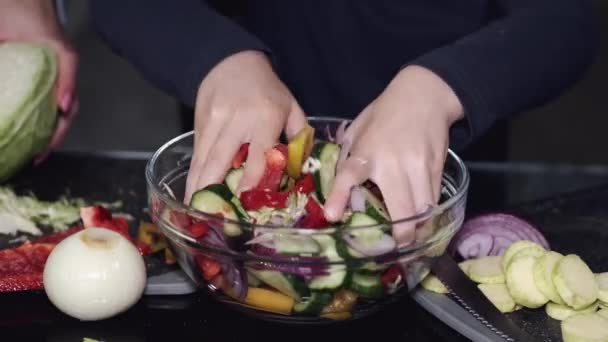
256, 199
305, 184
315, 216
179, 219
209, 267
240, 156
390, 276
276, 161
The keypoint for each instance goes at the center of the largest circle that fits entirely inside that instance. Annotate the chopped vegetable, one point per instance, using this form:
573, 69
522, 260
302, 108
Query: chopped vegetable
433, 284
269, 300
241, 156
305, 185
276, 161
299, 149
585, 328
543, 275
520, 282
532, 249
602, 284
492, 234
575, 282
499, 295
257, 199
315, 216
561, 312
208, 267
487, 270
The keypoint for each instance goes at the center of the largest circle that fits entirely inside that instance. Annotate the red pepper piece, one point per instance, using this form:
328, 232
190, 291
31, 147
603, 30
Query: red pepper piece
240, 156
198, 230
315, 216
390, 276
305, 184
256, 199
209, 267
276, 162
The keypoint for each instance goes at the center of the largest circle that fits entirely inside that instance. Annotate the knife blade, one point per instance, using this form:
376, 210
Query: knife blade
465, 292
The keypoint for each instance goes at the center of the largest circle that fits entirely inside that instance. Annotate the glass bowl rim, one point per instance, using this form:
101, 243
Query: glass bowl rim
156, 189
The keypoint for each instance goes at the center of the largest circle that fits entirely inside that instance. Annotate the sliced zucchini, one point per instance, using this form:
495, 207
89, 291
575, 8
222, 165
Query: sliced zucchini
603, 312
218, 199
358, 219
287, 284
516, 247
487, 270
561, 312
498, 294
574, 282
520, 282
602, 285
433, 284
585, 328
328, 246
233, 178
327, 154
374, 206
367, 285
296, 244
313, 305
543, 275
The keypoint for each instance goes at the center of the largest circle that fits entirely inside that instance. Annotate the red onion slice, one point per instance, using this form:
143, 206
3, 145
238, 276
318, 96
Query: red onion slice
384, 244
491, 234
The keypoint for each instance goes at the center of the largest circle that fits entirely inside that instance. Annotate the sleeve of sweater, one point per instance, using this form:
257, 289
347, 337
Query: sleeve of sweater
529, 55
173, 44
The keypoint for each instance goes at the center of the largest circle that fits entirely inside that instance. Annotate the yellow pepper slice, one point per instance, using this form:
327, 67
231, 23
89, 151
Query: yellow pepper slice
269, 300
337, 316
298, 150
150, 235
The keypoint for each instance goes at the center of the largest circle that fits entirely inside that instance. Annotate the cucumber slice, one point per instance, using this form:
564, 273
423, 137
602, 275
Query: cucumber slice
218, 199
313, 305
499, 295
367, 285
561, 312
358, 219
603, 305
327, 154
520, 282
585, 328
287, 284
433, 284
233, 178
487, 270
296, 244
516, 247
603, 312
252, 280
345, 251
333, 281
543, 275
374, 206
574, 282
602, 284
328, 246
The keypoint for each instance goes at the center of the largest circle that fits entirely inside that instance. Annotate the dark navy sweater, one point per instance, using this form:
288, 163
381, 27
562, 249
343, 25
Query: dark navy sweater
499, 56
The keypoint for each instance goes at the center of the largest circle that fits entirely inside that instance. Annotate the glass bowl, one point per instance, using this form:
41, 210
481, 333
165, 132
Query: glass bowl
319, 284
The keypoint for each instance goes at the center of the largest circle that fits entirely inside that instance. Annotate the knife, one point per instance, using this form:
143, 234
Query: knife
465, 292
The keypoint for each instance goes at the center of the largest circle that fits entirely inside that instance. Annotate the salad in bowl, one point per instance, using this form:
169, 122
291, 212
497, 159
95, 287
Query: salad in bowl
270, 251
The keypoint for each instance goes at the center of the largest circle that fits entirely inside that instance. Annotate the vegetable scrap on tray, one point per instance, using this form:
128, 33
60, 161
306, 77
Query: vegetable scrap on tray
514, 267
42, 225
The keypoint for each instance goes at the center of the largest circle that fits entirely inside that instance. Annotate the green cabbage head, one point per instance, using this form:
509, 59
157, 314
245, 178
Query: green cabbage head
28, 111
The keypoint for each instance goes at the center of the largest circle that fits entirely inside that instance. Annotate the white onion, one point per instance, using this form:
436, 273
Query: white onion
94, 274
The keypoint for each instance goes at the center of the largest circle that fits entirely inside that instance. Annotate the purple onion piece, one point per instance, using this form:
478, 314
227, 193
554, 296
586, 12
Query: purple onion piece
383, 245
236, 277
476, 246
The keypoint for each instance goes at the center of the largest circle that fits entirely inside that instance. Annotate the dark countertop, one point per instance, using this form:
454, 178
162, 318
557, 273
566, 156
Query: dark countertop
29, 316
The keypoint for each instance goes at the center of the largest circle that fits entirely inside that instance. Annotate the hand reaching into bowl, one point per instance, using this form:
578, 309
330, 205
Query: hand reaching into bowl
36, 21
240, 101
399, 142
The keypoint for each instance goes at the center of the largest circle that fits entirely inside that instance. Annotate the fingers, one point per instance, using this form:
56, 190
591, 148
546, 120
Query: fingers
256, 162
295, 121
207, 129
66, 77
399, 199
219, 160
352, 172
64, 121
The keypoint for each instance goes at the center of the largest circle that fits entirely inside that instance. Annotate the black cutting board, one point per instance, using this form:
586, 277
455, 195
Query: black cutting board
574, 223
